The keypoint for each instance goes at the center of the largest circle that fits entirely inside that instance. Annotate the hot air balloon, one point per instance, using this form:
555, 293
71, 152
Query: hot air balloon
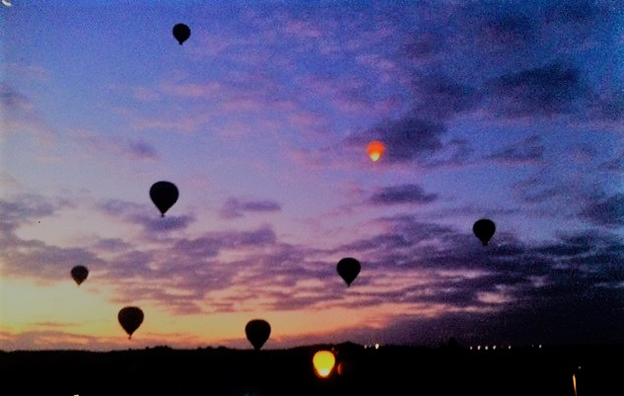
79, 273
257, 332
130, 318
181, 32
484, 229
348, 268
375, 149
164, 194
323, 362
346, 368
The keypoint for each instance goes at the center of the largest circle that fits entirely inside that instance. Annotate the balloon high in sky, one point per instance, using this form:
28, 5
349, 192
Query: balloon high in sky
375, 150
181, 32
348, 268
484, 230
164, 195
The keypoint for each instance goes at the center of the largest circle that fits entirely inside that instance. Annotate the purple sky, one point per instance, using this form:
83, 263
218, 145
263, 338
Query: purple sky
508, 110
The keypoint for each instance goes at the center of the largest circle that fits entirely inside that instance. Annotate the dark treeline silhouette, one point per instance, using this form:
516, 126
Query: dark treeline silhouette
389, 370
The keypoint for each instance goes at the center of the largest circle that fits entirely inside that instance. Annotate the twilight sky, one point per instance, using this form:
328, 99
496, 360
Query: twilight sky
510, 110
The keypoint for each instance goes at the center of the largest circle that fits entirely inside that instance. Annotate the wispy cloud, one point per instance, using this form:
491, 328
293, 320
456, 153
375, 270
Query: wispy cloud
137, 214
554, 89
99, 144
21, 116
406, 139
530, 151
615, 165
402, 194
237, 207
608, 211
25, 208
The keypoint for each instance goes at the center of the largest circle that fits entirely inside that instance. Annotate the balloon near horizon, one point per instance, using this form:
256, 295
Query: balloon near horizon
257, 332
130, 318
323, 362
164, 195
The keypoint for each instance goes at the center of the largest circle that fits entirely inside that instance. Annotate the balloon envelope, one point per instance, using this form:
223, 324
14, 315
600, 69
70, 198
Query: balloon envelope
79, 273
484, 229
323, 362
257, 332
375, 149
164, 194
181, 32
130, 318
348, 268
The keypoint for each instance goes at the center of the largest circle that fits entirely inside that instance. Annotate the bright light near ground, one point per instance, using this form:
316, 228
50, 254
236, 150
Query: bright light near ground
323, 362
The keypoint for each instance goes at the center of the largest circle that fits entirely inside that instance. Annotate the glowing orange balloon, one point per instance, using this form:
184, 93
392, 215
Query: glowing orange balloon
375, 149
323, 362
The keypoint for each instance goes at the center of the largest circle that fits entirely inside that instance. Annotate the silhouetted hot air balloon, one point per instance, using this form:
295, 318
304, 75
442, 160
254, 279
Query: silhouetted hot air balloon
375, 149
164, 194
257, 332
348, 268
79, 273
484, 229
130, 318
181, 32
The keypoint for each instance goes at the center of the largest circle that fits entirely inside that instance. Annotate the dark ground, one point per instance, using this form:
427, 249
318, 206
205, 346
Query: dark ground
547, 371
